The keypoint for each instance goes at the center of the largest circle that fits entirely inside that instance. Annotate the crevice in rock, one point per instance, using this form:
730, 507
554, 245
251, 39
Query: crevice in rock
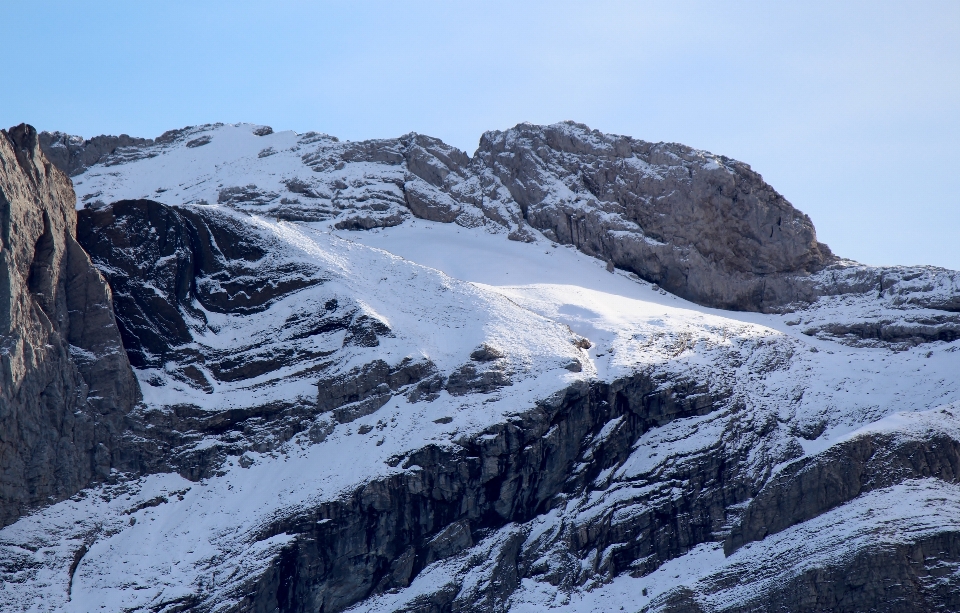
41, 281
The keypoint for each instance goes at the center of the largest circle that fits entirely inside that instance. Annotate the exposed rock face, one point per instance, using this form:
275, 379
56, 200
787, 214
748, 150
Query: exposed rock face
879, 567
213, 306
704, 227
66, 384
386, 533
73, 154
919, 304
815, 484
169, 267
354, 431
173, 270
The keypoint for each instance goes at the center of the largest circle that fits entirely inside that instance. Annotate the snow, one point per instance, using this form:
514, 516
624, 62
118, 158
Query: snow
182, 174
444, 290
899, 514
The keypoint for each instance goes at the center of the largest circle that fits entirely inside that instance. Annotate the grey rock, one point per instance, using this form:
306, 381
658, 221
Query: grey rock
922, 305
246, 194
815, 484
451, 540
704, 227
486, 353
469, 379
66, 385
199, 142
73, 154
302, 187
903, 572
386, 532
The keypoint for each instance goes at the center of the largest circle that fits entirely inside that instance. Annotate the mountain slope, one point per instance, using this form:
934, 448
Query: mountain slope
704, 227
386, 376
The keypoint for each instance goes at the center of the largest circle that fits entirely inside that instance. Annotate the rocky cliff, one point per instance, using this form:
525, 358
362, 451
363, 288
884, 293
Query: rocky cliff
66, 381
702, 226
389, 376
73, 154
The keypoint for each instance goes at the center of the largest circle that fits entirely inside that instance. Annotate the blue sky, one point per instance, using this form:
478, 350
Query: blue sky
850, 109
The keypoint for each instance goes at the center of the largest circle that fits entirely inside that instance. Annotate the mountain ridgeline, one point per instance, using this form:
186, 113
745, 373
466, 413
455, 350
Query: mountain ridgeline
704, 227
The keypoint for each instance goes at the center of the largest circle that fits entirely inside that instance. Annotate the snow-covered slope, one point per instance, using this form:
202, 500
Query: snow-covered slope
358, 398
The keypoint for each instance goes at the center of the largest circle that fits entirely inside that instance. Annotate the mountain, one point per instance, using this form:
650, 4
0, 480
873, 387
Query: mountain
574, 370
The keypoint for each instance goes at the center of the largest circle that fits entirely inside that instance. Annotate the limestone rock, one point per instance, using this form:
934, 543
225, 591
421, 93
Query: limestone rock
65, 380
702, 226
73, 154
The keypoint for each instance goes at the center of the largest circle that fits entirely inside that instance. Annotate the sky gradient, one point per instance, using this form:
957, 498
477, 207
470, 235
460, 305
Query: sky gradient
851, 110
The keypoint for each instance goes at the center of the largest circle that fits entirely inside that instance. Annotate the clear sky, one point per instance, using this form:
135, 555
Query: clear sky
850, 109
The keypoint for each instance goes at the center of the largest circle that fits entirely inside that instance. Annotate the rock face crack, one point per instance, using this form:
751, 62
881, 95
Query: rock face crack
77, 557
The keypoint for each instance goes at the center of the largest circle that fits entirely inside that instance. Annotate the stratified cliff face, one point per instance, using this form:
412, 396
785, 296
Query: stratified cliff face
73, 155
65, 381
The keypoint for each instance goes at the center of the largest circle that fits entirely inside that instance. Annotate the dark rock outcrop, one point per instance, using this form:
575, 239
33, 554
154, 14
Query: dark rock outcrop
172, 269
73, 154
382, 535
916, 576
895, 549
909, 577
815, 484
65, 380
169, 265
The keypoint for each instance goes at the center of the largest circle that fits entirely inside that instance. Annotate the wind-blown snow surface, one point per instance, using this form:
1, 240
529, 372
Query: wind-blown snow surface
444, 290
